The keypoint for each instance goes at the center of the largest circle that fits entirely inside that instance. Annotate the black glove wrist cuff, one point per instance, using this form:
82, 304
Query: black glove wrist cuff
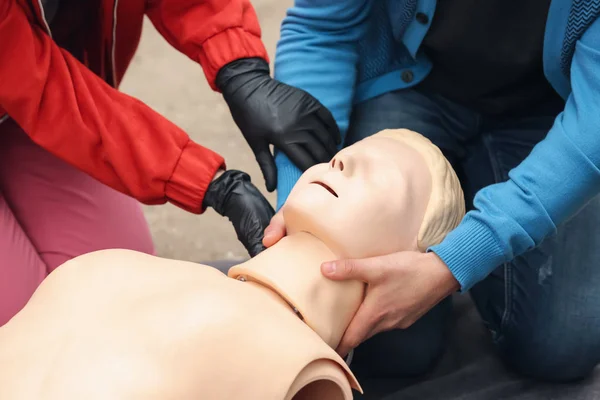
252, 67
217, 194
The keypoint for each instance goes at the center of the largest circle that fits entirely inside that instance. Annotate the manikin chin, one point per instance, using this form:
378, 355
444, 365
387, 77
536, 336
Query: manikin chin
117, 324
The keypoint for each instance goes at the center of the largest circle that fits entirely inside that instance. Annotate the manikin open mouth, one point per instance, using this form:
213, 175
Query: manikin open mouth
326, 187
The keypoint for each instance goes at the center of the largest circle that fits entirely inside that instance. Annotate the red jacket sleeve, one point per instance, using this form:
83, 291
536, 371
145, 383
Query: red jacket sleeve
211, 32
72, 113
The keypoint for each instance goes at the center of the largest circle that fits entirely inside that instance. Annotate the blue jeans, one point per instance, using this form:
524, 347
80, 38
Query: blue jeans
543, 308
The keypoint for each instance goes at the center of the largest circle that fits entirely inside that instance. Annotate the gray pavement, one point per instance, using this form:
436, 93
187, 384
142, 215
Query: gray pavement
175, 86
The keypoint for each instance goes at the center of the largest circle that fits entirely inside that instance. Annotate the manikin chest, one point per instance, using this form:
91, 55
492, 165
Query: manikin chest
180, 332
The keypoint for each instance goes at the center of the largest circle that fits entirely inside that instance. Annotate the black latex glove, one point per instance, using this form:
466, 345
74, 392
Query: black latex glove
270, 112
233, 195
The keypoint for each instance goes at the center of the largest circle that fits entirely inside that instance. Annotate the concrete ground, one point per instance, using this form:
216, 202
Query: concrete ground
175, 86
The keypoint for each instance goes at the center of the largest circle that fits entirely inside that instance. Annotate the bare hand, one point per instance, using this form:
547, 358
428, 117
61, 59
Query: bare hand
401, 288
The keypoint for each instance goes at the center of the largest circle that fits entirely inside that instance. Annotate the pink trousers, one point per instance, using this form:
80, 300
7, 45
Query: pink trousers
49, 213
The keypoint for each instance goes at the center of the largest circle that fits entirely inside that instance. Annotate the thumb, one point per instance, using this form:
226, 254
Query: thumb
275, 231
365, 270
267, 166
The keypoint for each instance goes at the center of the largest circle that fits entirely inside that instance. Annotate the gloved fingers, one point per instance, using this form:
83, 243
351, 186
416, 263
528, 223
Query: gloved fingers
298, 155
322, 134
332, 127
250, 233
315, 148
256, 216
255, 249
267, 166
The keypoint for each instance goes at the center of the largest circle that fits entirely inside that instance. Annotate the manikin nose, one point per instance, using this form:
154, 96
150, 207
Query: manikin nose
340, 163
343, 162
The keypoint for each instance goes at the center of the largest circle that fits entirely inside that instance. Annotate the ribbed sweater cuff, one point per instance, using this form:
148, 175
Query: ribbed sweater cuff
287, 176
471, 252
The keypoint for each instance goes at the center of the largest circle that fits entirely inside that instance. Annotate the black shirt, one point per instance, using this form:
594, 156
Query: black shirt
487, 55
76, 26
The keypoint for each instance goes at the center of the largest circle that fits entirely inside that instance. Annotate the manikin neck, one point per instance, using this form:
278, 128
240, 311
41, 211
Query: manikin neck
292, 269
300, 251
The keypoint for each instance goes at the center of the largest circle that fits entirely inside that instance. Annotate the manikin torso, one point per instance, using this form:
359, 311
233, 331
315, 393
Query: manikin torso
118, 324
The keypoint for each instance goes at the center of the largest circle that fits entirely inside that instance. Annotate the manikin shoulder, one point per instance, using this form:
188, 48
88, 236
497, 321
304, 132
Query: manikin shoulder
177, 329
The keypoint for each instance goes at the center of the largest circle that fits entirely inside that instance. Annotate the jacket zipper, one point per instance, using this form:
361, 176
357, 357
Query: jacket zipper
114, 45
112, 50
46, 25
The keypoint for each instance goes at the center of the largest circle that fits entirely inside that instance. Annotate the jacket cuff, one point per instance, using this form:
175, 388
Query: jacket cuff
471, 252
227, 46
193, 173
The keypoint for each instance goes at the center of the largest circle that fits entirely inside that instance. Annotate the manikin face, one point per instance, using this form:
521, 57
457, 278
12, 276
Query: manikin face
368, 201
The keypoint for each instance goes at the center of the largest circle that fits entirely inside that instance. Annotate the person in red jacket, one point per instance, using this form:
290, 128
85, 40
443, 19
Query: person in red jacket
75, 153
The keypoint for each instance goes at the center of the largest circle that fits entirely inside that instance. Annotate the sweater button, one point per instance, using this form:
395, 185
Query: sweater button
422, 18
407, 76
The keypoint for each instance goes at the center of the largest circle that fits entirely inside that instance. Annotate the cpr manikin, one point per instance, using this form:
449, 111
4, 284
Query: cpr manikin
122, 325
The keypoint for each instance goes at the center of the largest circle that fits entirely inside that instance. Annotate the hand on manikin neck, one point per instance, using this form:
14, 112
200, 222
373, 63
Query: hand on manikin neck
346, 206
402, 281
292, 269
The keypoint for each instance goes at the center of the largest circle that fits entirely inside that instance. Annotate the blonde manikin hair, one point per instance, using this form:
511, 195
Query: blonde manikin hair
446, 206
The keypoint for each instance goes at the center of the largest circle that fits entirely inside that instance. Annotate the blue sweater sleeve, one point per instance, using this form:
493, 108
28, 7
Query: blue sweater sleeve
558, 178
318, 52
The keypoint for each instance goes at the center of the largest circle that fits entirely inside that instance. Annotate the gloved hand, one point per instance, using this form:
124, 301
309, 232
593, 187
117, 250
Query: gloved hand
270, 112
233, 195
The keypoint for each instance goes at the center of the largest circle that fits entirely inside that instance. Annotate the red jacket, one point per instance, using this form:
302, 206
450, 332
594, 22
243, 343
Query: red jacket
82, 118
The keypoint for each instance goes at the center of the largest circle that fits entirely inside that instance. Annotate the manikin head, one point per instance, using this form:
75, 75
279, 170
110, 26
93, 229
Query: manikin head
390, 192
393, 191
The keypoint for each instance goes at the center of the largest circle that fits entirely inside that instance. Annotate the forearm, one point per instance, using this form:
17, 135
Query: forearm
115, 138
210, 32
510, 218
558, 178
318, 53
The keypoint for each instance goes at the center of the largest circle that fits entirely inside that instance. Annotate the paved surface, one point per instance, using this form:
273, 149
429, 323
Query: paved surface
175, 86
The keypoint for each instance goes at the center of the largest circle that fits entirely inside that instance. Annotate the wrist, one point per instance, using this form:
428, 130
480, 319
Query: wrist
231, 75
218, 174
217, 196
192, 176
447, 282
471, 251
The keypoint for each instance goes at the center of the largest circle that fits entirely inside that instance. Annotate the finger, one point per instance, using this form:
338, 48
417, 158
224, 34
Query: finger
267, 166
322, 133
332, 127
357, 331
254, 225
275, 231
318, 152
298, 155
369, 270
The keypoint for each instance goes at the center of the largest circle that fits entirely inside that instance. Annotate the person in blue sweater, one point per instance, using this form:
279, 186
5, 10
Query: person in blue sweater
510, 91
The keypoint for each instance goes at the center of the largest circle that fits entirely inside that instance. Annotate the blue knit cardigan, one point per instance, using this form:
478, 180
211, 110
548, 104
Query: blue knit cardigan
348, 51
